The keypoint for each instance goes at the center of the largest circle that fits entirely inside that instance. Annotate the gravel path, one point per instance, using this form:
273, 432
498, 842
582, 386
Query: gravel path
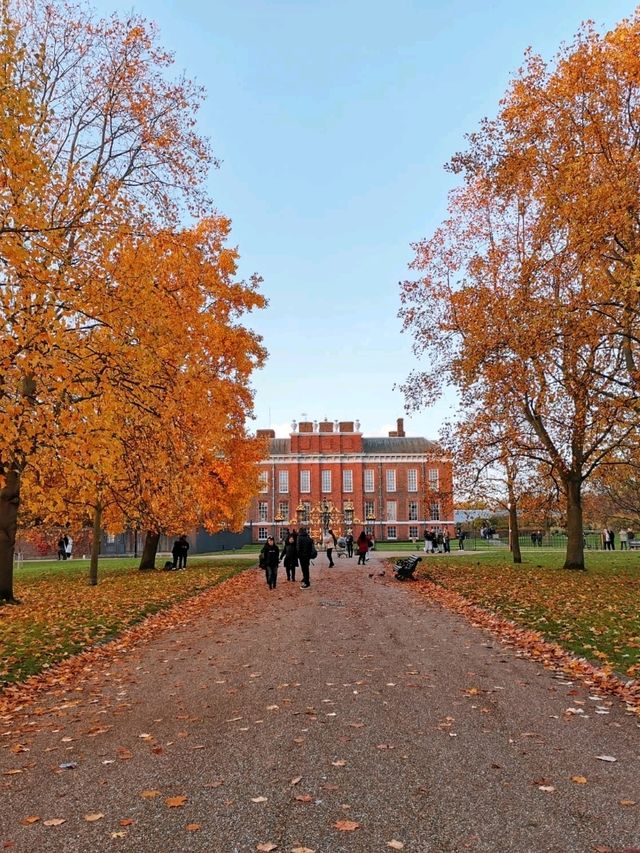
353, 716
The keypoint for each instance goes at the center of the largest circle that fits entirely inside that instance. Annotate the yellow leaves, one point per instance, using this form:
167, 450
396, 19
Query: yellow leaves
92, 818
176, 802
579, 780
150, 794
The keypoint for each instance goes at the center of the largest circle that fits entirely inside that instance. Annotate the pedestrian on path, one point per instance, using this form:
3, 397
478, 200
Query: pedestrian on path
624, 539
62, 551
183, 550
269, 559
349, 541
68, 547
289, 557
306, 551
363, 548
330, 542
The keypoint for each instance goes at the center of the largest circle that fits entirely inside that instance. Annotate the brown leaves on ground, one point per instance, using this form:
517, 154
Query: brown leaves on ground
176, 802
346, 825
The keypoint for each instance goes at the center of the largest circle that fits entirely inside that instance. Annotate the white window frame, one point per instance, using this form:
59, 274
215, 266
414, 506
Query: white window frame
263, 534
263, 511
264, 481
369, 509
412, 480
325, 481
434, 479
412, 510
347, 480
283, 482
392, 531
413, 531
369, 480
305, 481
390, 479
392, 510
435, 510
283, 510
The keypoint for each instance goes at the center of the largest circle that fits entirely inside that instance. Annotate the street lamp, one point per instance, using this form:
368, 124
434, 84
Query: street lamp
371, 520
300, 513
348, 515
278, 520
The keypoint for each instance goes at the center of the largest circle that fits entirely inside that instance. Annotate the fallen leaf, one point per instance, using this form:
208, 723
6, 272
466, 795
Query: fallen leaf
303, 798
194, 827
346, 825
27, 821
339, 763
266, 847
118, 834
579, 780
295, 780
606, 758
91, 818
548, 788
627, 802
126, 821
55, 821
149, 795
302, 850
395, 845
176, 802
258, 799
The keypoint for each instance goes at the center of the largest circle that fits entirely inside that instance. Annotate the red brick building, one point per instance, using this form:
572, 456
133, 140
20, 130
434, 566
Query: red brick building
328, 474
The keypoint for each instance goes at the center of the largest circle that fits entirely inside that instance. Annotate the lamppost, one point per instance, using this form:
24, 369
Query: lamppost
300, 514
371, 520
348, 516
278, 520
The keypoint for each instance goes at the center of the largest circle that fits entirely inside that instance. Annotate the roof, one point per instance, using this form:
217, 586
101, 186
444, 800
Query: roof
279, 446
399, 444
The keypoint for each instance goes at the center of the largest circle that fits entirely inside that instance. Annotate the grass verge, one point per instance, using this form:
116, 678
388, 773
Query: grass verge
593, 614
60, 615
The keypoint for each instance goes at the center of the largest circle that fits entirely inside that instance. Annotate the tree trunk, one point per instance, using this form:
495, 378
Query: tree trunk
515, 532
149, 551
574, 558
95, 545
9, 503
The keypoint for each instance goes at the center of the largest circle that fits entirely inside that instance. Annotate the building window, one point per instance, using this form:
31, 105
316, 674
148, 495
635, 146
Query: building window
326, 482
305, 481
413, 510
264, 481
369, 509
412, 480
392, 532
413, 531
435, 511
347, 481
263, 511
392, 511
283, 482
369, 480
391, 480
283, 510
368, 529
433, 479
262, 534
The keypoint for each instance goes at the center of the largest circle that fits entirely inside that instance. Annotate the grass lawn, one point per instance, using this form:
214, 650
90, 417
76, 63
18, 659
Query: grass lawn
61, 615
594, 614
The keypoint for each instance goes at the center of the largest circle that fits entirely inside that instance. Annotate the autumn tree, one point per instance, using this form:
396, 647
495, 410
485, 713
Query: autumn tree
100, 161
499, 311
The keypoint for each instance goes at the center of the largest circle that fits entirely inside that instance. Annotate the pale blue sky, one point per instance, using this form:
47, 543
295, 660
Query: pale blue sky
333, 119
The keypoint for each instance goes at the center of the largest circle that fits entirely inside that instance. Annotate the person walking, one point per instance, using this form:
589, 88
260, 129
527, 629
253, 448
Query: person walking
289, 557
330, 542
624, 539
68, 547
612, 539
306, 550
62, 551
269, 559
363, 548
349, 544
183, 549
446, 542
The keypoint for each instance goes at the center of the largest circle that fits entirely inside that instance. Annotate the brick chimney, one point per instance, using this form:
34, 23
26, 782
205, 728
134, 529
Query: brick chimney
266, 433
400, 430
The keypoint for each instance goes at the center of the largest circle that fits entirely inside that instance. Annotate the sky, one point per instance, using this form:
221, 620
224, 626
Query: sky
333, 120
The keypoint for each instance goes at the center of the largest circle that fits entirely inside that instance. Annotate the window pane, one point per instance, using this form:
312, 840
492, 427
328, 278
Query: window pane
283, 482
392, 512
412, 480
369, 484
326, 482
347, 481
305, 481
391, 480
392, 533
264, 481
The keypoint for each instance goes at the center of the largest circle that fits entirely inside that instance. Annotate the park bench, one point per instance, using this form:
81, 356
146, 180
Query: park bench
405, 568
634, 543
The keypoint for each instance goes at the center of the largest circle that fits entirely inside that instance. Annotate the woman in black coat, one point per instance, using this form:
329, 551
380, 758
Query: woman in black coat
269, 559
289, 557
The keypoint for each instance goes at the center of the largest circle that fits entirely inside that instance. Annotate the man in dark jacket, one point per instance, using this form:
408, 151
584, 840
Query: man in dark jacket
305, 548
269, 559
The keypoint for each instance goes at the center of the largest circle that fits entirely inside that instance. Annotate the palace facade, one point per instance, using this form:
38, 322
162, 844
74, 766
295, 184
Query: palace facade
327, 474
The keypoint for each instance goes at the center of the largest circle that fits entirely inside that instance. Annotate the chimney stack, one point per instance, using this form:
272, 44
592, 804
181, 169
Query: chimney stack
400, 430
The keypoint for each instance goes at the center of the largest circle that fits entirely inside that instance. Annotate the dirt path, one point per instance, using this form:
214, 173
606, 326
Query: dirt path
280, 716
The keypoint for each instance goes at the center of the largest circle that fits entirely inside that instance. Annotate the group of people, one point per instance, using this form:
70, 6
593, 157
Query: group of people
65, 547
436, 542
179, 553
536, 539
299, 549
